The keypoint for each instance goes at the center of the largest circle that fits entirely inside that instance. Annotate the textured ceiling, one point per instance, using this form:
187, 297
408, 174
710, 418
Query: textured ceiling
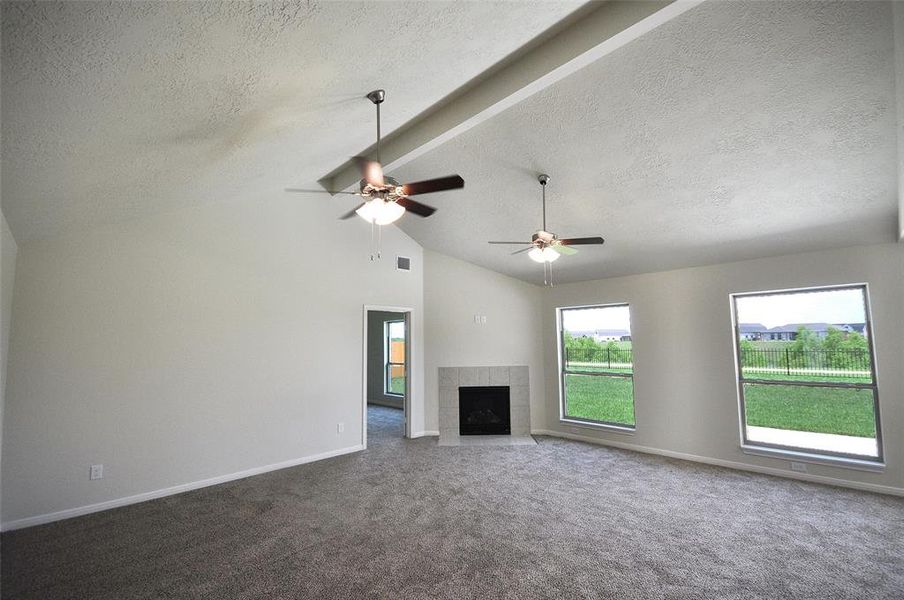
113, 111
737, 130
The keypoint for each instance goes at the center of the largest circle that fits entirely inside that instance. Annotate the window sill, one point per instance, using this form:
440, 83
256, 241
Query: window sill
819, 459
625, 430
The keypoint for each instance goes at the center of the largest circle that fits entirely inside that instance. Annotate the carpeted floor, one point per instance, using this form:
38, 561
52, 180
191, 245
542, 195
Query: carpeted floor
410, 519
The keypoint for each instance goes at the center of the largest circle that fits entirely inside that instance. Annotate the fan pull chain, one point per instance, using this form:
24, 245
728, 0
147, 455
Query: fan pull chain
379, 241
372, 243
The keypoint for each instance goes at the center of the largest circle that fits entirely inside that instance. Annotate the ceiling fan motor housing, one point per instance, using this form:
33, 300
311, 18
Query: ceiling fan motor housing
543, 236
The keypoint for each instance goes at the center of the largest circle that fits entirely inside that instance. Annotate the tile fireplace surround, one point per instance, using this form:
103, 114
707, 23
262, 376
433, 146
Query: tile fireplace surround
451, 378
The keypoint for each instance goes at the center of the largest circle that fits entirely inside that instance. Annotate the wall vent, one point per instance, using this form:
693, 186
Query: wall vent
403, 263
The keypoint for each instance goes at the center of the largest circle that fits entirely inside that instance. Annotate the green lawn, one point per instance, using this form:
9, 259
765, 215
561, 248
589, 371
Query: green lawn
397, 385
845, 411
606, 399
752, 374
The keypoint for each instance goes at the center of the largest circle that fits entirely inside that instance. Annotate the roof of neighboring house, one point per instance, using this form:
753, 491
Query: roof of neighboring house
611, 332
793, 327
855, 326
601, 332
752, 327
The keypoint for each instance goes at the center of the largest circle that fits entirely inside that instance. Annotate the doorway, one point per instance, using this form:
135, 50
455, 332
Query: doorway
387, 381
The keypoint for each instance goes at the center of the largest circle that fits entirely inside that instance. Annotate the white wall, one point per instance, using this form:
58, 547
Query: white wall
190, 346
455, 291
687, 401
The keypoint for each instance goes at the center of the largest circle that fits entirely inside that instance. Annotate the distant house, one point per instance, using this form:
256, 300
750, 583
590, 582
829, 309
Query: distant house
852, 327
610, 335
605, 335
789, 331
752, 331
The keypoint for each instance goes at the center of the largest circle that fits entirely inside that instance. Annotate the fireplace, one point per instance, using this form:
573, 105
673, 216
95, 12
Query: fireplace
484, 410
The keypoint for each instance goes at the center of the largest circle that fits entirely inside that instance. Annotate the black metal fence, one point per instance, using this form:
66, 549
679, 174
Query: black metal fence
785, 359
600, 357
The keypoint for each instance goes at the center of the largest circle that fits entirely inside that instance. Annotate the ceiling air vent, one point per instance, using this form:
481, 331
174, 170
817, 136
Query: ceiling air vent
403, 263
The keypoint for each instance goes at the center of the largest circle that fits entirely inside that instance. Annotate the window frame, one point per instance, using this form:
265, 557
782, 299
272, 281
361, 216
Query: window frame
802, 453
560, 337
387, 357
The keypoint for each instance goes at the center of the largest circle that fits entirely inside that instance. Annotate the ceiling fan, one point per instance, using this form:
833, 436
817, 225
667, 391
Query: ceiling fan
385, 199
545, 247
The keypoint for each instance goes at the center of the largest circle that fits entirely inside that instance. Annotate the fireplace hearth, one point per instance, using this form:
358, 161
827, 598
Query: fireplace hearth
484, 410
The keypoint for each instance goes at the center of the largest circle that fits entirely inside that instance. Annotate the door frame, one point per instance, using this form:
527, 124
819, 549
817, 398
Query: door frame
408, 313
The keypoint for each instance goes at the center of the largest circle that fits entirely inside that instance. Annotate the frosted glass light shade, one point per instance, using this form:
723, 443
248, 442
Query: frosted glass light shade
380, 212
369, 210
545, 255
389, 213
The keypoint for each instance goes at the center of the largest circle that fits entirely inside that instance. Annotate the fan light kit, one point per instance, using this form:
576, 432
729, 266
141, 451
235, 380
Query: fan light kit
545, 247
385, 199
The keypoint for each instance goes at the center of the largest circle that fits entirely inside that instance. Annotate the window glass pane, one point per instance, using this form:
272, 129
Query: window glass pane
603, 399
817, 343
839, 420
816, 335
841, 411
597, 346
396, 379
395, 357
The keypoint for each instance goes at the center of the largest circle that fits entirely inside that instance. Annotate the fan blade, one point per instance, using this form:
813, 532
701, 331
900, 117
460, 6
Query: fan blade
522, 250
351, 213
318, 191
421, 210
582, 241
452, 182
371, 171
511, 243
564, 250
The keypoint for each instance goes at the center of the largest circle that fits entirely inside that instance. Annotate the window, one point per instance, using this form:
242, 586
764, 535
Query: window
597, 365
394, 358
811, 387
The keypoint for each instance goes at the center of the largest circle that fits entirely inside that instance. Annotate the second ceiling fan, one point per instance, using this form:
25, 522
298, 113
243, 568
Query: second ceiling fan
545, 247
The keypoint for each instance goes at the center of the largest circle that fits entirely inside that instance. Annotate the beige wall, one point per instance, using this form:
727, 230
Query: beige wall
455, 291
687, 402
190, 346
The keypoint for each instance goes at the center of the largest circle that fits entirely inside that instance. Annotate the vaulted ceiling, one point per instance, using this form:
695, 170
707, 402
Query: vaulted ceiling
115, 110
735, 130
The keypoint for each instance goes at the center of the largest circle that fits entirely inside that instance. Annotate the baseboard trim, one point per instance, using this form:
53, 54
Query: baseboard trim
857, 485
425, 433
170, 491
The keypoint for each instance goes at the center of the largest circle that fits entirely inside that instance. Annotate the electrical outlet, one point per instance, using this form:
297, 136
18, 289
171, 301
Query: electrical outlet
799, 467
483, 319
477, 319
97, 472
340, 427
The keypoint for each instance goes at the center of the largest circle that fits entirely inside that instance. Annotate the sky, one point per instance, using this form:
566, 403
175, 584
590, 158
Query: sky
829, 306
586, 319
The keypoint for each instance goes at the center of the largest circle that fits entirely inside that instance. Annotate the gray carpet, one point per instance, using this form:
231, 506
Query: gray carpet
409, 519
